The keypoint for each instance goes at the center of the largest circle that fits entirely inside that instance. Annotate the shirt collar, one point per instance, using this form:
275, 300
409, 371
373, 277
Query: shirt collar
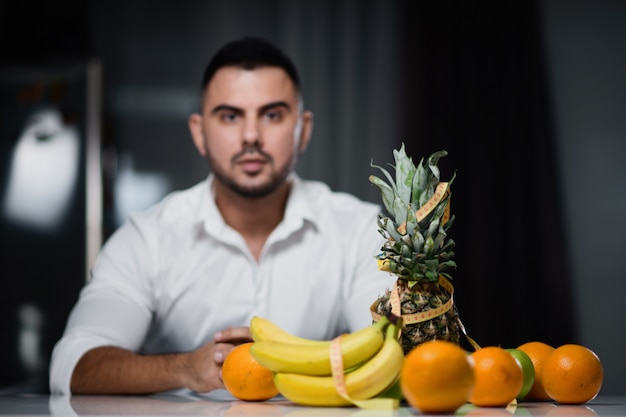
299, 208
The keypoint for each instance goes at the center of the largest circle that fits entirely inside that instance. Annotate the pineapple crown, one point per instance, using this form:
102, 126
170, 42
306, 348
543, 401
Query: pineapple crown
418, 219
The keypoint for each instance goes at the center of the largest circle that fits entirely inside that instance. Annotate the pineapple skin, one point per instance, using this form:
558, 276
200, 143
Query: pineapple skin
422, 297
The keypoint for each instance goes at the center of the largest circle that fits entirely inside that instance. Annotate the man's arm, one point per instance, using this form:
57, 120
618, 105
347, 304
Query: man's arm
113, 370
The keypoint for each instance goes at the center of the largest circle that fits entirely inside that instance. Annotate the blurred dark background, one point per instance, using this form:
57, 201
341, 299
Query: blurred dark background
527, 97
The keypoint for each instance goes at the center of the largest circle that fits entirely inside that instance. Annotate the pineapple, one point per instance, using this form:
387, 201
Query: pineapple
417, 250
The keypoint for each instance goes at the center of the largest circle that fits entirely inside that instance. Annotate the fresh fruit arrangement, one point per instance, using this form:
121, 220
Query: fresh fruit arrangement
371, 371
412, 350
358, 368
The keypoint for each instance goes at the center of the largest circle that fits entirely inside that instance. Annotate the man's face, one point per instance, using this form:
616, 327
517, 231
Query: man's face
251, 129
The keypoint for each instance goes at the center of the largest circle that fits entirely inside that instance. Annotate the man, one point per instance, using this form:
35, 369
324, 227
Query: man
173, 290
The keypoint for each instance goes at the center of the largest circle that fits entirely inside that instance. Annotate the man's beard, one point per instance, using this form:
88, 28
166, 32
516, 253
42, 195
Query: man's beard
276, 180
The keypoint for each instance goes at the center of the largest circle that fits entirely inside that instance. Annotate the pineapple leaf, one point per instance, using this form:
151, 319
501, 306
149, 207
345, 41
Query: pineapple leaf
441, 236
416, 251
400, 210
432, 265
432, 175
433, 227
386, 191
437, 213
429, 245
418, 241
451, 180
406, 241
411, 222
448, 224
405, 170
433, 160
386, 174
445, 265
432, 276
406, 251
420, 180
447, 247
386, 226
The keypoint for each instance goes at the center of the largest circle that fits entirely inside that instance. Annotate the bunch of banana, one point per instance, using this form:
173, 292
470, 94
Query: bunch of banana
313, 358
371, 358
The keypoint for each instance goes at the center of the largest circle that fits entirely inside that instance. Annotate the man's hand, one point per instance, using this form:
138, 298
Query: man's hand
112, 370
205, 363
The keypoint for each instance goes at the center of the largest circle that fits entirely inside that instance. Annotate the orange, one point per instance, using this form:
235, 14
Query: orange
538, 352
437, 377
499, 377
245, 378
572, 374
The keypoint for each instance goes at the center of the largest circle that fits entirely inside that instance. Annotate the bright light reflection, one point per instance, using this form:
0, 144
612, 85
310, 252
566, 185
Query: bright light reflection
43, 172
136, 190
30, 318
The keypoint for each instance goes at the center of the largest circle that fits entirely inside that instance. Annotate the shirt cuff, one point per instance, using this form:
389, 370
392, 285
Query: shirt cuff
66, 355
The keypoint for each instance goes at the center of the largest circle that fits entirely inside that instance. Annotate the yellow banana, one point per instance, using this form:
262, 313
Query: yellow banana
263, 329
393, 391
365, 382
314, 359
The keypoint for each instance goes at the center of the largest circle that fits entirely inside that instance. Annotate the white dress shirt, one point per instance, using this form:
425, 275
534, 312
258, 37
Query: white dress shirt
172, 276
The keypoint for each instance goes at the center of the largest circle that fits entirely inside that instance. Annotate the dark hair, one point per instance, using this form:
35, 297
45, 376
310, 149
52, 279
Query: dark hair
250, 53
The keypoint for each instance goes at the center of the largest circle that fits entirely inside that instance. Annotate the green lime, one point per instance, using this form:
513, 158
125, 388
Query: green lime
528, 370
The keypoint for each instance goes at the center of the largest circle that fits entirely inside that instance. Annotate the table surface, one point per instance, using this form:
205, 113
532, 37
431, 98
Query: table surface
220, 403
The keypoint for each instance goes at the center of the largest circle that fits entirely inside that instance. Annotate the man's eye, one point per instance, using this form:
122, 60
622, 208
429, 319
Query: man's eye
229, 117
273, 116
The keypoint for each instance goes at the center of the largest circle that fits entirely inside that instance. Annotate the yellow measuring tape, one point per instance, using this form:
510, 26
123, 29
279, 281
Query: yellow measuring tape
441, 191
336, 366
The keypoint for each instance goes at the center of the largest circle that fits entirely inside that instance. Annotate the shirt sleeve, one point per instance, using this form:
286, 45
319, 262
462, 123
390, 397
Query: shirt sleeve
114, 308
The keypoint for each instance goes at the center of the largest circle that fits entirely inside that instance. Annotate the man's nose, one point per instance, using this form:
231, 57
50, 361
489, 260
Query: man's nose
251, 132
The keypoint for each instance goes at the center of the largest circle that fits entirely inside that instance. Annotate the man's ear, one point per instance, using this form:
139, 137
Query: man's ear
195, 127
306, 131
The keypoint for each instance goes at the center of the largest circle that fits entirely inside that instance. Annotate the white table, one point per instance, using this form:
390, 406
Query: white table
220, 403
